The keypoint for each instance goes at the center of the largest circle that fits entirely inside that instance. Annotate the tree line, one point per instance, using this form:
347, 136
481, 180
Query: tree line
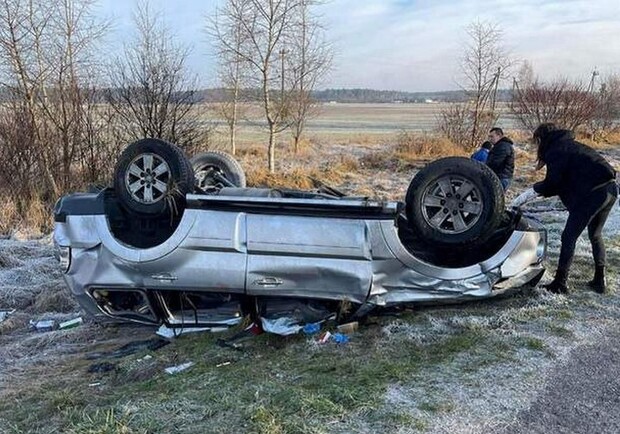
70, 102
486, 65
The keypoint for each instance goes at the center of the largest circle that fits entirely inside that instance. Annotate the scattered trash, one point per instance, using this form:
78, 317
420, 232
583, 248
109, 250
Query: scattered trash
4, 313
324, 338
71, 323
350, 327
176, 369
312, 328
97, 368
94, 384
339, 338
43, 326
222, 364
171, 333
235, 340
282, 326
145, 358
130, 348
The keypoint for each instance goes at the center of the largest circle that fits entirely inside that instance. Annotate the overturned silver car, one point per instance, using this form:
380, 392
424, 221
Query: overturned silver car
185, 243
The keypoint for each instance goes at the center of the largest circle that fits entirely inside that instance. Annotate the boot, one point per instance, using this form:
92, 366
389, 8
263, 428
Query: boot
598, 284
558, 284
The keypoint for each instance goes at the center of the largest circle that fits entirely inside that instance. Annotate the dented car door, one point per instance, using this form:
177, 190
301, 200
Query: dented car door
305, 256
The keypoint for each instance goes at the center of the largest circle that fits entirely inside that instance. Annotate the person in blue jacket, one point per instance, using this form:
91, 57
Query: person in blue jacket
483, 153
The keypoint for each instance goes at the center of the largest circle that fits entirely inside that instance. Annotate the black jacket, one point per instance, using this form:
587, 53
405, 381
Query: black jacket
573, 169
502, 159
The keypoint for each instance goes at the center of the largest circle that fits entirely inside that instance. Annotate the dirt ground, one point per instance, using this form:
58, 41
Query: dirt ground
456, 369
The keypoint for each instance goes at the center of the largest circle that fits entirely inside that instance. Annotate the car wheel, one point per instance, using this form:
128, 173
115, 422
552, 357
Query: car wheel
152, 177
217, 169
455, 201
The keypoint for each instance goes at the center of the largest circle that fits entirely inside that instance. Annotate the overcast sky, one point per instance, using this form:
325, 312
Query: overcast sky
414, 45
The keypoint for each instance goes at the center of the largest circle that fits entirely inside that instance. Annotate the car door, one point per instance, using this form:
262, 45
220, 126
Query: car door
306, 256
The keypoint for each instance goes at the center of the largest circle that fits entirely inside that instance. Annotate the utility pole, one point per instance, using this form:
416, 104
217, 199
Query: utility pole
595, 74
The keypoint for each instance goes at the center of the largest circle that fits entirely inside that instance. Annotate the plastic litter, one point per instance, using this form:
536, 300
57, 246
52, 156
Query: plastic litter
219, 365
4, 313
324, 338
339, 338
179, 368
235, 340
312, 328
71, 323
283, 326
350, 327
171, 333
43, 326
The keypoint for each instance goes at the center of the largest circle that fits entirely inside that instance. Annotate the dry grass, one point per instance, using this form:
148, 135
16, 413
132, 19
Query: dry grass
31, 214
297, 178
411, 148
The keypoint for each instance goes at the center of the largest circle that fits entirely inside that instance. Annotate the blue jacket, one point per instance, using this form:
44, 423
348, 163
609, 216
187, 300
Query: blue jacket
481, 155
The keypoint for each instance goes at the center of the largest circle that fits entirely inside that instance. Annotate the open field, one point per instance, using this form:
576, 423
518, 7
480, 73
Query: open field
344, 122
460, 369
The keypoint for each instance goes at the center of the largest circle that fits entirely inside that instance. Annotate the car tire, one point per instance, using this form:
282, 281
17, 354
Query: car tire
152, 177
455, 201
208, 166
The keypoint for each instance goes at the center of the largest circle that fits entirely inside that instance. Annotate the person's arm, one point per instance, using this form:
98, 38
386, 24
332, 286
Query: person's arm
552, 183
497, 156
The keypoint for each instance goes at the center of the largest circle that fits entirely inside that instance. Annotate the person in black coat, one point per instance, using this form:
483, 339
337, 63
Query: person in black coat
586, 185
501, 159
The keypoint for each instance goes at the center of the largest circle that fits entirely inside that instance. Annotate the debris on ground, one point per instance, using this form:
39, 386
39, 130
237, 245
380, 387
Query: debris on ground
348, 328
179, 368
312, 328
102, 367
282, 326
130, 348
171, 333
235, 340
4, 313
43, 325
71, 323
339, 338
324, 338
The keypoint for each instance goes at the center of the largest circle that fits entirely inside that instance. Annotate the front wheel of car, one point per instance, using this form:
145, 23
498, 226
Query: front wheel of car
153, 176
455, 201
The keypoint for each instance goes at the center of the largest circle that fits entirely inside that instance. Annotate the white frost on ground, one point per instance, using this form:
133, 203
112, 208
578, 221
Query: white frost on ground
491, 397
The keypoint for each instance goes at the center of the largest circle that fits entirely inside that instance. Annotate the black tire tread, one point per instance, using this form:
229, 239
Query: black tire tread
482, 175
226, 162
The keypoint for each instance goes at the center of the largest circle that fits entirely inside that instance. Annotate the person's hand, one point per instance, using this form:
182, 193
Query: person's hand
527, 196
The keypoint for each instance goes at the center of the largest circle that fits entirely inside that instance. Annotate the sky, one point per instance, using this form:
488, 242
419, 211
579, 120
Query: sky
414, 45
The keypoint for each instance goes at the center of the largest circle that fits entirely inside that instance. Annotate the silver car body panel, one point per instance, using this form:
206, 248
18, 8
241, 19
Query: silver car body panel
286, 254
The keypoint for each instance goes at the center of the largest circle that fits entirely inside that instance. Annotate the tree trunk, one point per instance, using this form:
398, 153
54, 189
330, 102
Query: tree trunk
272, 148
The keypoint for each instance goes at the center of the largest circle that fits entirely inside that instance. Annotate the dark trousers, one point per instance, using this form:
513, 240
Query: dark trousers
591, 213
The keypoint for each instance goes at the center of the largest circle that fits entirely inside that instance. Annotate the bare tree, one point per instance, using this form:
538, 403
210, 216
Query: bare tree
310, 60
232, 66
454, 122
562, 101
485, 63
266, 26
607, 114
46, 57
151, 90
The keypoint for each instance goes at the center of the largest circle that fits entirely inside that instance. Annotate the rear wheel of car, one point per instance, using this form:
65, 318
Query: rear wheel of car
455, 201
152, 177
217, 169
